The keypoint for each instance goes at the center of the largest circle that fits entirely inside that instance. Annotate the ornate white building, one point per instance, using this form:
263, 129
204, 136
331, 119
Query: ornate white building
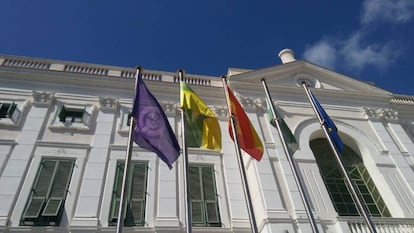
63, 138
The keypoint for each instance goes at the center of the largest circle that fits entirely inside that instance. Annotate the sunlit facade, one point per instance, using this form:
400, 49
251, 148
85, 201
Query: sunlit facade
64, 135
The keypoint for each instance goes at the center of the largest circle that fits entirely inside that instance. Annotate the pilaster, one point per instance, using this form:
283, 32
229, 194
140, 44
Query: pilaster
385, 124
88, 205
14, 171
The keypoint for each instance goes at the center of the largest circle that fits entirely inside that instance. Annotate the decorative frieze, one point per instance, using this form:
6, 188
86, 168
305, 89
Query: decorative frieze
169, 108
221, 112
261, 103
108, 103
42, 97
387, 114
247, 103
381, 113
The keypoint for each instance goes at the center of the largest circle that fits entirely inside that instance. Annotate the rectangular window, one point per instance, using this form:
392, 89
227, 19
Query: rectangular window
70, 115
7, 110
134, 214
47, 198
203, 196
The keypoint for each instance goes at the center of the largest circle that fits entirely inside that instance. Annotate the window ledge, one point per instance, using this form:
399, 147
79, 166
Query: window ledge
69, 126
8, 122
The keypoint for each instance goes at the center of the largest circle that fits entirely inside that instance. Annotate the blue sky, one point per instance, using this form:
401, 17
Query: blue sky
369, 40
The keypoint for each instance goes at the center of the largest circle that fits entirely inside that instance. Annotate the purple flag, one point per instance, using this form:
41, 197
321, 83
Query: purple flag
152, 129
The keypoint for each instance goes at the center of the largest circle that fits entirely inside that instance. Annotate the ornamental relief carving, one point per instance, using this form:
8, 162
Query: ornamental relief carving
247, 103
42, 97
221, 112
168, 107
381, 113
108, 103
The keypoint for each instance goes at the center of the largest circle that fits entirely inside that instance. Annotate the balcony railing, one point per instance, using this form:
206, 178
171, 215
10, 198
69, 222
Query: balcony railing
383, 225
101, 70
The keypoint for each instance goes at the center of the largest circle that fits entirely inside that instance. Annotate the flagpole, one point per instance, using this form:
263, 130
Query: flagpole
240, 162
292, 162
351, 185
124, 190
186, 166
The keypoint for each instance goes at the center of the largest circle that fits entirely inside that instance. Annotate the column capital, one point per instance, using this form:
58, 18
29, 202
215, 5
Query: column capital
42, 97
108, 103
381, 113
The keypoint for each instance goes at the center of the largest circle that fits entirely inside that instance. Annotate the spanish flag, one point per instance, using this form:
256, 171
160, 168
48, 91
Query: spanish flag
249, 141
202, 126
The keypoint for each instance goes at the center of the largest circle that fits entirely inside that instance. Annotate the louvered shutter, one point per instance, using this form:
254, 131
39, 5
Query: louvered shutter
116, 195
59, 188
62, 114
40, 189
138, 191
197, 210
135, 203
210, 197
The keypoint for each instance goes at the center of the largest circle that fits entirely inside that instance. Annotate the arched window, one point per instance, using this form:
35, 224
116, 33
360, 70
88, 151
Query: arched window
336, 185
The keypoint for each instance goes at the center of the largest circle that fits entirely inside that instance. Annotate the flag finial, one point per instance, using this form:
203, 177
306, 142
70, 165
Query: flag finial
181, 73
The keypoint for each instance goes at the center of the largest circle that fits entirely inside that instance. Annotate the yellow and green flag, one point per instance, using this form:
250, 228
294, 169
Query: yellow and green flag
202, 128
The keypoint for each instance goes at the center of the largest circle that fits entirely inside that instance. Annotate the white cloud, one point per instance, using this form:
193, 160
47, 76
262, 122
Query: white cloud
355, 51
392, 11
322, 53
358, 55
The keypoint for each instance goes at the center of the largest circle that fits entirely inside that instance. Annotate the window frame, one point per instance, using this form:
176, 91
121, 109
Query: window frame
7, 109
74, 114
78, 117
11, 116
203, 200
129, 220
336, 186
42, 218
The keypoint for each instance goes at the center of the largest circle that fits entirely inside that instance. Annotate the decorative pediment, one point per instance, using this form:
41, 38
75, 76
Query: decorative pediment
292, 74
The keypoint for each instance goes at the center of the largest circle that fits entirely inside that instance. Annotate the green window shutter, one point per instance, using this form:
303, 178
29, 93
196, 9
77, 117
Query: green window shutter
59, 189
7, 109
40, 189
11, 109
197, 211
47, 198
210, 197
137, 194
135, 208
62, 114
203, 196
116, 194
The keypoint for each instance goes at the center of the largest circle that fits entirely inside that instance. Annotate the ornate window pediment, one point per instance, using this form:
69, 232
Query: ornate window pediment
76, 117
11, 112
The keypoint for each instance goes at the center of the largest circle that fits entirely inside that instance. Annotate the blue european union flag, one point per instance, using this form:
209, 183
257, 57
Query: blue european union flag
329, 124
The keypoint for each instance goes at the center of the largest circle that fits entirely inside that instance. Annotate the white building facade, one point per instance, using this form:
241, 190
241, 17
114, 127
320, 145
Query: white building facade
64, 134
